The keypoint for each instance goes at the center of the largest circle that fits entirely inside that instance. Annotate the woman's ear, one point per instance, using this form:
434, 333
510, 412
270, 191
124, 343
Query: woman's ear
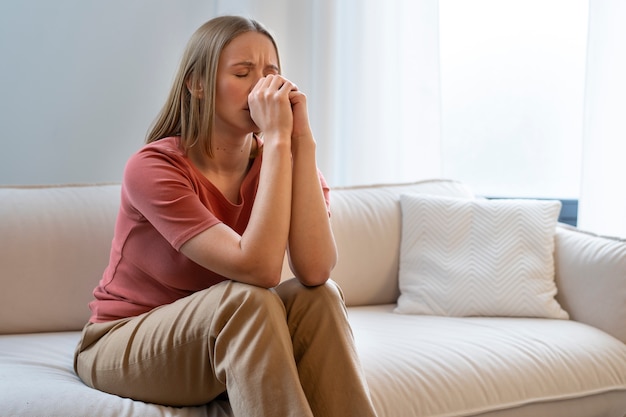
195, 88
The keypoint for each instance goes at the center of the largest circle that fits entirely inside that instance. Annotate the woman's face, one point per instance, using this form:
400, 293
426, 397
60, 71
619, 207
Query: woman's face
247, 58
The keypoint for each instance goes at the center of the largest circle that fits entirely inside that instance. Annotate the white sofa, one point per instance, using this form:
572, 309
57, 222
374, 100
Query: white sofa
54, 246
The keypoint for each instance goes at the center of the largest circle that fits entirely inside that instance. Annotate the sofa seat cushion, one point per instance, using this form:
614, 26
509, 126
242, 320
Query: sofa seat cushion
445, 366
37, 379
415, 366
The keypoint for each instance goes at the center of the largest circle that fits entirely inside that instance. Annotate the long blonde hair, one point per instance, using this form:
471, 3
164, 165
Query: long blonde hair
188, 115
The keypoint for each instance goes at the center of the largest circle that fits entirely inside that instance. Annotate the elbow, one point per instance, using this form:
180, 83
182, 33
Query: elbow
311, 280
267, 280
313, 271
314, 275
263, 275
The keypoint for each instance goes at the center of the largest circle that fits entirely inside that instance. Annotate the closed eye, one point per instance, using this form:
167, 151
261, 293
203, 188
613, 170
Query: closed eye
271, 70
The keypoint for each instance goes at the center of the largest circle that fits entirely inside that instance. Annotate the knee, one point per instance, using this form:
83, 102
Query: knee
293, 292
254, 300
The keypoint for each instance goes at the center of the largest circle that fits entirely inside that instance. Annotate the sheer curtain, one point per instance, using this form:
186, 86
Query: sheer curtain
386, 118
602, 207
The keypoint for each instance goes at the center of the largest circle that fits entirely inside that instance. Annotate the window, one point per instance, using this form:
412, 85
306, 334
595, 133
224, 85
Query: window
512, 93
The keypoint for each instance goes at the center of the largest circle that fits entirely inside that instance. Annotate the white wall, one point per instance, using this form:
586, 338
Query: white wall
81, 81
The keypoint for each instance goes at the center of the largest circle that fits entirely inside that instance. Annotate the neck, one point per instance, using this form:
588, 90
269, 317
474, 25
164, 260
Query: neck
230, 157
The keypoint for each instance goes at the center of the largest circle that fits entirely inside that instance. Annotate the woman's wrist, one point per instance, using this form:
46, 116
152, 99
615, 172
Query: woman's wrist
303, 143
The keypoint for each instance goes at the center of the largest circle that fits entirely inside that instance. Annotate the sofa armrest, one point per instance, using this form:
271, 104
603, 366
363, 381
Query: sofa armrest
591, 279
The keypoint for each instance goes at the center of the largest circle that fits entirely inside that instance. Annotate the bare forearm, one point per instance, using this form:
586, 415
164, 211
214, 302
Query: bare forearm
265, 238
312, 250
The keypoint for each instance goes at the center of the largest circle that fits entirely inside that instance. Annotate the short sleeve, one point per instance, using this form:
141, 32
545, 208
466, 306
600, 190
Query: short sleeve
160, 186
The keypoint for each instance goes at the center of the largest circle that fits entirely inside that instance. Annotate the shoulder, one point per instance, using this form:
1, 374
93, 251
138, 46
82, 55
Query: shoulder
166, 147
156, 157
156, 167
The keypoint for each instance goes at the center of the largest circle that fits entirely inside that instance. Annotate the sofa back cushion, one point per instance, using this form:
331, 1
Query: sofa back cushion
55, 243
367, 224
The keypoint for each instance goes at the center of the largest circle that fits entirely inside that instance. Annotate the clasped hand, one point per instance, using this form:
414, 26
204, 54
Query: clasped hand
278, 108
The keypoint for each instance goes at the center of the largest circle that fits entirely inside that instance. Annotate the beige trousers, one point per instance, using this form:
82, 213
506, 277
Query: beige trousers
282, 352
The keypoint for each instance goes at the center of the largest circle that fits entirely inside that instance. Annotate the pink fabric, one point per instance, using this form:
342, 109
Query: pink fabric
165, 201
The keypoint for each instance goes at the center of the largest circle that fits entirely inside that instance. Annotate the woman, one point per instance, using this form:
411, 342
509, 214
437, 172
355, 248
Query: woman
190, 307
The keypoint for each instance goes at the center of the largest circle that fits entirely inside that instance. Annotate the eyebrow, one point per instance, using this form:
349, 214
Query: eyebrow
249, 64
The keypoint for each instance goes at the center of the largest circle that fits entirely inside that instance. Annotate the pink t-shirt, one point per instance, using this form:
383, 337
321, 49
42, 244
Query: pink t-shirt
165, 201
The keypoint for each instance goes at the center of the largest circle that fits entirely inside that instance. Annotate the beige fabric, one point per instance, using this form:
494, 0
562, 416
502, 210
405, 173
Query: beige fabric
45, 286
504, 366
367, 224
288, 352
55, 243
56, 240
37, 377
591, 278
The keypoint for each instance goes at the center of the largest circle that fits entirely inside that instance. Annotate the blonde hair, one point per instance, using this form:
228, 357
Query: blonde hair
188, 115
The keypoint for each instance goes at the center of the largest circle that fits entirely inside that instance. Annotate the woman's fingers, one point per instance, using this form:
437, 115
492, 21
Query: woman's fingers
270, 105
272, 83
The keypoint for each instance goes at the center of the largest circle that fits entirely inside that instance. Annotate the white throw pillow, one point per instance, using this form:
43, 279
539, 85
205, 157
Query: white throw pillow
477, 257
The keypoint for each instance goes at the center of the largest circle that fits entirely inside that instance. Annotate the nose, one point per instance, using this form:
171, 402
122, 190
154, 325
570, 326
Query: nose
255, 76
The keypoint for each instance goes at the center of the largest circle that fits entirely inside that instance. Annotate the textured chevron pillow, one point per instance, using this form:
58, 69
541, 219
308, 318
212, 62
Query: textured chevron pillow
461, 257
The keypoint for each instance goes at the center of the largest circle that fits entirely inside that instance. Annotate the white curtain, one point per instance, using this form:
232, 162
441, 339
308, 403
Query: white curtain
602, 206
386, 118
